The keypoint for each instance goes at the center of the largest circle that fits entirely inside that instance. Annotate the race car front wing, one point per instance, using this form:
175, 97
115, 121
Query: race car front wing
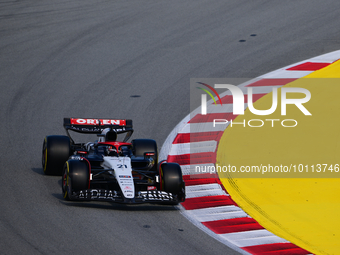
151, 196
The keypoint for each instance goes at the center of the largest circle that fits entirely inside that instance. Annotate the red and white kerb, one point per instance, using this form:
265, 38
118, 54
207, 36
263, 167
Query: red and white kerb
208, 205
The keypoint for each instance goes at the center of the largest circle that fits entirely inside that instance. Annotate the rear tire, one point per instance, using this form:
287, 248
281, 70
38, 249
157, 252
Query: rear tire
172, 180
140, 146
76, 177
56, 150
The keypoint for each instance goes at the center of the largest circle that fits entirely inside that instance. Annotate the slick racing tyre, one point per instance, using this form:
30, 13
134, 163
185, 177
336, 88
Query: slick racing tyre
140, 146
56, 150
172, 180
75, 177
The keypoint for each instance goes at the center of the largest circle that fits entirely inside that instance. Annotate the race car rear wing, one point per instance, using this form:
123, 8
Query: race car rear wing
96, 126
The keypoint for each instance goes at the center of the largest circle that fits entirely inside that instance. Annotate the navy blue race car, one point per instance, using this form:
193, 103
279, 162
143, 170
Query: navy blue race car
111, 170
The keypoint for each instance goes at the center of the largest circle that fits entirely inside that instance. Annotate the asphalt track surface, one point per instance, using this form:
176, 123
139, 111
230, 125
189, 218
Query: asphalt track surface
126, 59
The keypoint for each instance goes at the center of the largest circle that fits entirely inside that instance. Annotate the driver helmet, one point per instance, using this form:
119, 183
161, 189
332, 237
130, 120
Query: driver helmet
111, 151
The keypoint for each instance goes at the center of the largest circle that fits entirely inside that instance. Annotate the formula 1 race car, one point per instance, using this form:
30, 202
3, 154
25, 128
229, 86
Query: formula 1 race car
109, 170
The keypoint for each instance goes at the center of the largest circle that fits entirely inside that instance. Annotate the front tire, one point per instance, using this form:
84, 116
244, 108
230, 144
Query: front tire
56, 150
76, 177
172, 180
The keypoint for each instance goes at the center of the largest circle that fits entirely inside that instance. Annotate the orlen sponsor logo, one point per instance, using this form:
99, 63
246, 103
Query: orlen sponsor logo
96, 122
